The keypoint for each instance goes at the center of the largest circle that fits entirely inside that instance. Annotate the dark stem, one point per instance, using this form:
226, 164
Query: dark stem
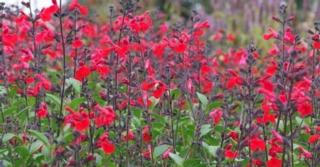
62, 91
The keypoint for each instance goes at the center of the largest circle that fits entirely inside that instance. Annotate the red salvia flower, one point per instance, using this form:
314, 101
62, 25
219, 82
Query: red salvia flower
274, 162
82, 73
146, 135
105, 144
80, 121
74, 4
216, 115
42, 111
105, 116
304, 108
47, 13
313, 139
271, 34
257, 144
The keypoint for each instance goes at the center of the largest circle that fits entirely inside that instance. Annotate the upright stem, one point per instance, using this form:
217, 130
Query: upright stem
75, 63
37, 61
281, 66
129, 109
62, 91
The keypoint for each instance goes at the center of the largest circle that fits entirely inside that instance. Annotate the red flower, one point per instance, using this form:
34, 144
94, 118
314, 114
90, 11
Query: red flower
105, 144
147, 153
304, 153
146, 136
107, 147
289, 36
271, 34
230, 154
314, 139
74, 4
82, 73
47, 13
231, 37
128, 137
304, 108
141, 23
9, 39
103, 70
234, 135
316, 44
257, 144
216, 115
217, 36
274, 51
77, 43
42, 111
105, 116
79, 120
274, 162
233, 82
160, 90
177, 45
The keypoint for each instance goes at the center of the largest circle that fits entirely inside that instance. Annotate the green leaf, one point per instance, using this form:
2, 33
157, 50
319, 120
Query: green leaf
35, 146
2, 90
175, 93
53, 98
76, 102
205, 129
193, 163
203, 99
211, 149
40, 136
75, 84
177, 159
8, 136
22, 151
214, 104
160, 150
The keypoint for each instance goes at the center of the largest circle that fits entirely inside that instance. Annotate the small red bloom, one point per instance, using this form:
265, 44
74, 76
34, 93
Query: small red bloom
128, 137
316, 44
107, 147
216, 115
77, 43
257, 144
47, 13
79, 120
230, 154
147, 153
105, 116
274, 162
304, 153
231, 37
233, 82
105, 144
146, 136
74, 4
82, 73
314, 139
271, 34
160, 90
42, 111
234, 135
304, 108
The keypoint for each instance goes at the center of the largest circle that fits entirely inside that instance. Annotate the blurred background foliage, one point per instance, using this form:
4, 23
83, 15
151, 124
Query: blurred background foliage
246, 19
